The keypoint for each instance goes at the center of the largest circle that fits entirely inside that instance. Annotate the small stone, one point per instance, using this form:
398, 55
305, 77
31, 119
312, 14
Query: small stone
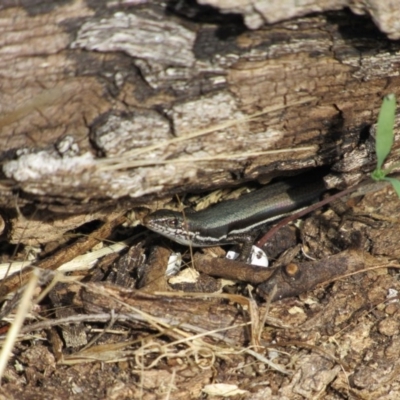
388, 327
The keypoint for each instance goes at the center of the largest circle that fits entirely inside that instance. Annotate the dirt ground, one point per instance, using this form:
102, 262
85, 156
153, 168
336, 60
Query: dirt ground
96, 335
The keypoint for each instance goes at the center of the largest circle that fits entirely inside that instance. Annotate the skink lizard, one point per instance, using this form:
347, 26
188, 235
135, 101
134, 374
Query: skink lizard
235, 221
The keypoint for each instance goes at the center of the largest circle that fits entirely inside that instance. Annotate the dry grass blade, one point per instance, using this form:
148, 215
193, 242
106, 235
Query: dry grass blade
122, 163
79, 263
24, 308
188, 341
128, 163
17, 280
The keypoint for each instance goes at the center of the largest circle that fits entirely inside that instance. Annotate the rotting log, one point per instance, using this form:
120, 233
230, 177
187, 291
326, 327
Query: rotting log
122, 105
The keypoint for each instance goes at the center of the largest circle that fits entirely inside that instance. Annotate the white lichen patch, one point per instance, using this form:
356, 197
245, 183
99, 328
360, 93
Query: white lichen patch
205, 112
162, 41
212, 113
31, 167
45, 173
119, 134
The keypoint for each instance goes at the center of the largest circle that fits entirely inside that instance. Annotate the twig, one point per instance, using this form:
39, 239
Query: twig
51, 263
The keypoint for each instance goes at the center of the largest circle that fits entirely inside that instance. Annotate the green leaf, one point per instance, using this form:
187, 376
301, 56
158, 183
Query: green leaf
395, 183
384, 133
378, 175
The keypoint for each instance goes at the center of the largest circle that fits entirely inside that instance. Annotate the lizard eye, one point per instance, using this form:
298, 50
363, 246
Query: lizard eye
173, 223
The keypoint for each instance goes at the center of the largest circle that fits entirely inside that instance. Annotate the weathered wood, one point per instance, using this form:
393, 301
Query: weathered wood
202, 313
256, 13
134, 102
